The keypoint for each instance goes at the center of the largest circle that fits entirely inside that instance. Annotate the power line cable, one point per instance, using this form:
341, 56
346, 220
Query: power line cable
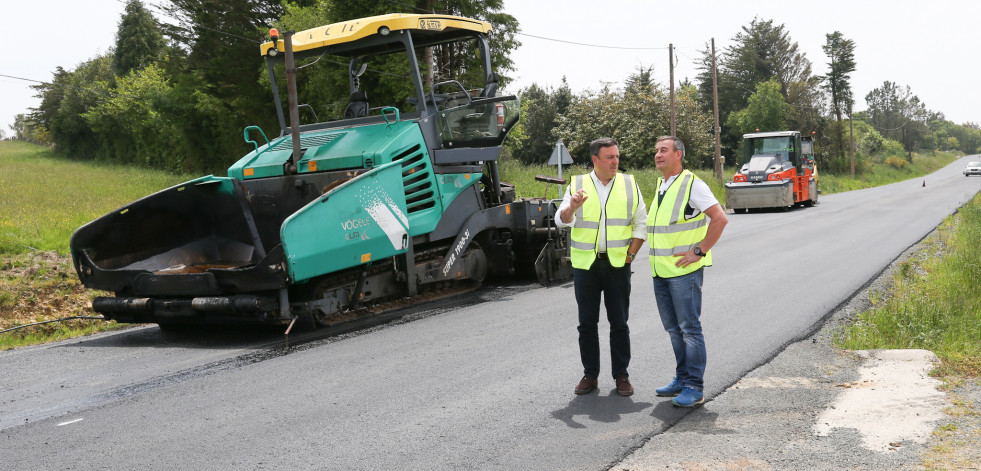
321, 56
893, 129
338, 62
24, 79
99, 92
593, 45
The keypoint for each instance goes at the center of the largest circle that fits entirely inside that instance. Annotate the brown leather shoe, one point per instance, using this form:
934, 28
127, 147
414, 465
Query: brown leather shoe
623, 386
586, 385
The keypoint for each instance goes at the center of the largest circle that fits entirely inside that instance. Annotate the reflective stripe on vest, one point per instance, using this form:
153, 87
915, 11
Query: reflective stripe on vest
620, 207
669, 233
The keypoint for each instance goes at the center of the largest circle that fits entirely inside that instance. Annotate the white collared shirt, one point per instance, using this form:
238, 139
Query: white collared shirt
701, 197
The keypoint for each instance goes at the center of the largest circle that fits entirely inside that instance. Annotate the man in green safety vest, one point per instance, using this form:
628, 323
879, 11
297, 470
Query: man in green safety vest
607, 213
680, 240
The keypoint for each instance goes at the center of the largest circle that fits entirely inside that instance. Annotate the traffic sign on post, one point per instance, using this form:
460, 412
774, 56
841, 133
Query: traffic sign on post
560, 156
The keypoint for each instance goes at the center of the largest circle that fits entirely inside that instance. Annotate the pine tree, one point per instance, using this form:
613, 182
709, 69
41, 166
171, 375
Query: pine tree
138, 40
760, 52
841, 53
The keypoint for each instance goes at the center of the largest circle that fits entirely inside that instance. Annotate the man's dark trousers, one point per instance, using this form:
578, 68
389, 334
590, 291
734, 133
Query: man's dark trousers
613, 285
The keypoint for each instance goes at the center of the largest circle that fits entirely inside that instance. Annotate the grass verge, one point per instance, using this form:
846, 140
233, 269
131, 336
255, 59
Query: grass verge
933, 304
42, 286
879, 172
44, 198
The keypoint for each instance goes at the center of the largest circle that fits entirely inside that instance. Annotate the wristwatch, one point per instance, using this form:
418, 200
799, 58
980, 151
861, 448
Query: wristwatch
631, 256
698, 251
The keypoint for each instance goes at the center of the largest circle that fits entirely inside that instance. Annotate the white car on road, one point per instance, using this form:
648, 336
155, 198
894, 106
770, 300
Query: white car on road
973, 168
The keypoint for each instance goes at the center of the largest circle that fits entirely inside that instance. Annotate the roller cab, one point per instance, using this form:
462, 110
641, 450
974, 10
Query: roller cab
778, 171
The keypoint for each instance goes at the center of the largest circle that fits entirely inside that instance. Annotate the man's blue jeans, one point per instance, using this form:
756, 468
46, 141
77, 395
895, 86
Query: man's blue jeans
679, 301
612, 284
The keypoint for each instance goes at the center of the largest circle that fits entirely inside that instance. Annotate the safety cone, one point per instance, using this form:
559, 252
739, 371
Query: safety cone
924, 183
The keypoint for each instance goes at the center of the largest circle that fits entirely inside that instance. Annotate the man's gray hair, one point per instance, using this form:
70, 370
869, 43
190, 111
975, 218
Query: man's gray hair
678, 145
595, 146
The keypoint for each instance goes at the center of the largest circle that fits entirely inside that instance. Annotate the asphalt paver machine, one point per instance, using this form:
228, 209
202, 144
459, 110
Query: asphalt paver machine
387, 203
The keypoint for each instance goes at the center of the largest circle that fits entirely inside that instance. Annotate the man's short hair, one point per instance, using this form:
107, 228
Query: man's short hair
595, 146
678, 145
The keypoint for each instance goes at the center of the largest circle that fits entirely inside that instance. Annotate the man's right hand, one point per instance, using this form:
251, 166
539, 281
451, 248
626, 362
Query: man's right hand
578, 199
575, 201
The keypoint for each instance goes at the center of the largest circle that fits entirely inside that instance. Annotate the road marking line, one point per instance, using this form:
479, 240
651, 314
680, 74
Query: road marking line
69, 422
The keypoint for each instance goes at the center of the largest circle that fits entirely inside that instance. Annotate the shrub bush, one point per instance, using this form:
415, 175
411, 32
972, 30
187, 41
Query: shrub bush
895, 162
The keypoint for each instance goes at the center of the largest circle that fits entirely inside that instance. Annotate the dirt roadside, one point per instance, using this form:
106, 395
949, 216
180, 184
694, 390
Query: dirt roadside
43, 286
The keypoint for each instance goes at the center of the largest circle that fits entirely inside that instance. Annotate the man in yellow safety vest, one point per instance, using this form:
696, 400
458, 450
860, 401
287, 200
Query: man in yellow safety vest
684, 222
606, 212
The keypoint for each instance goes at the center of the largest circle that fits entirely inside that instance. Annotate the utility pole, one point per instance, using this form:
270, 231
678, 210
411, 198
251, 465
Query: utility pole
715, 106
428, 56
671, 62
851, 140
292, 103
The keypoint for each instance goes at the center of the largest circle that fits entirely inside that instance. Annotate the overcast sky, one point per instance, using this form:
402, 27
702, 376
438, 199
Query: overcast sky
934, 47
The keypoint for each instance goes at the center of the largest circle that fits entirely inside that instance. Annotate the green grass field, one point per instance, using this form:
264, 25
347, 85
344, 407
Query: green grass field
880, 173
44, 198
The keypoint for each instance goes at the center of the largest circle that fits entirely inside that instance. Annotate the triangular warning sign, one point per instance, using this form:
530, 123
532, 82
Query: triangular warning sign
560, 152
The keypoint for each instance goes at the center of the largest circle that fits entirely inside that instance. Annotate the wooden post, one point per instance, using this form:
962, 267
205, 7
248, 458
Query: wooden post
715, 106
674, 131
851, 141
291, 100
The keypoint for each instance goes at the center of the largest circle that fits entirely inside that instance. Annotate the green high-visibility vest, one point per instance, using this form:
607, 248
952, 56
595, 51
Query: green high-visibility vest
620, 207
670, 233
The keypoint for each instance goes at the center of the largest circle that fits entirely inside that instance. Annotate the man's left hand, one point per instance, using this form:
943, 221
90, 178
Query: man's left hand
686, 258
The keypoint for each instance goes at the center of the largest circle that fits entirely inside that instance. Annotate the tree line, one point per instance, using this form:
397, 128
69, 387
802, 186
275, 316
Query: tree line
764, 83
177, 94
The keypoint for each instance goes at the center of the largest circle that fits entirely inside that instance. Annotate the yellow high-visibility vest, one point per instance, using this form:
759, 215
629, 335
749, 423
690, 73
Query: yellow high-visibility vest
620, 207
670, 233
